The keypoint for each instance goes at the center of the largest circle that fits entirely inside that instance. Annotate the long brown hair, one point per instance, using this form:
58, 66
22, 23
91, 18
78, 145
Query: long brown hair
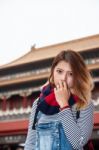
83, 83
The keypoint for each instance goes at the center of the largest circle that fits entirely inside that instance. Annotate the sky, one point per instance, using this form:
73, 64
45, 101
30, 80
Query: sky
24, 23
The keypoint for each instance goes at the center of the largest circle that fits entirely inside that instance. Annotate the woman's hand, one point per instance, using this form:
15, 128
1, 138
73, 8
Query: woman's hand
62, 94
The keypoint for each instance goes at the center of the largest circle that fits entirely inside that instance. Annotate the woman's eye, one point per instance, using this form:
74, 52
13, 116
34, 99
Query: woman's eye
70, 74
59, 71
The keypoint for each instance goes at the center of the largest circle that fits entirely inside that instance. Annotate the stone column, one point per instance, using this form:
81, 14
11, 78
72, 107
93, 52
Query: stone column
24, 99
4, 103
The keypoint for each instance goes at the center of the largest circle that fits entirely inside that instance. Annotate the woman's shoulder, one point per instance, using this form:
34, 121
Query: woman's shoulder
36, 100
34, 105
88, 106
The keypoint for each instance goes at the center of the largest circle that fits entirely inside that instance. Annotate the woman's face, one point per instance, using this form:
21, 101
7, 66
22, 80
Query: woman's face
63, 72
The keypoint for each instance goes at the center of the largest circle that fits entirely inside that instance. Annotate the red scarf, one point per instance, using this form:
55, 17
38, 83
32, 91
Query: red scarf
47, 103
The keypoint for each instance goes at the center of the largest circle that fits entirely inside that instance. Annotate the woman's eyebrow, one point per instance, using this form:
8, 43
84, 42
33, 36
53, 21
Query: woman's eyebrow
60, 69
64, 70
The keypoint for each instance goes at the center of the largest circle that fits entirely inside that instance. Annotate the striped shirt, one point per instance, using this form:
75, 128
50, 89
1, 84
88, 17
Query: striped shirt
78, 131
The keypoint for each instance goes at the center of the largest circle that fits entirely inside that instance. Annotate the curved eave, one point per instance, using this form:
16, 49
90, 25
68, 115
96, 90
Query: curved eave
39, 76
36, 54
93, 66
24, 79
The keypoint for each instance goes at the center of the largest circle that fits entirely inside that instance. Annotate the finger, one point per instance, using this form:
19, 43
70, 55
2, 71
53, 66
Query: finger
55, 89
60, 84
69, 92
64, 85
57, 86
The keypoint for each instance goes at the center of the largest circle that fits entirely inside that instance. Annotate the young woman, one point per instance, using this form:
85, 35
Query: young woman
62, 116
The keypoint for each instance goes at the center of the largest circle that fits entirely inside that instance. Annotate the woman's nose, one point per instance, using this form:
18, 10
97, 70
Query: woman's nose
64, 78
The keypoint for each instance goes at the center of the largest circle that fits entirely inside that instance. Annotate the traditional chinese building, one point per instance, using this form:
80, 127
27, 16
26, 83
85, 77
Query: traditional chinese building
21, 80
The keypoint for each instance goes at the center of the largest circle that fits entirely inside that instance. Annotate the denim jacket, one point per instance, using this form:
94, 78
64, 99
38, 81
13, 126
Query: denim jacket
78, 131
50, 136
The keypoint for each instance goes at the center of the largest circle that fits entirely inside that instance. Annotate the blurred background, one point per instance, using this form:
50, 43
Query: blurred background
32, 33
